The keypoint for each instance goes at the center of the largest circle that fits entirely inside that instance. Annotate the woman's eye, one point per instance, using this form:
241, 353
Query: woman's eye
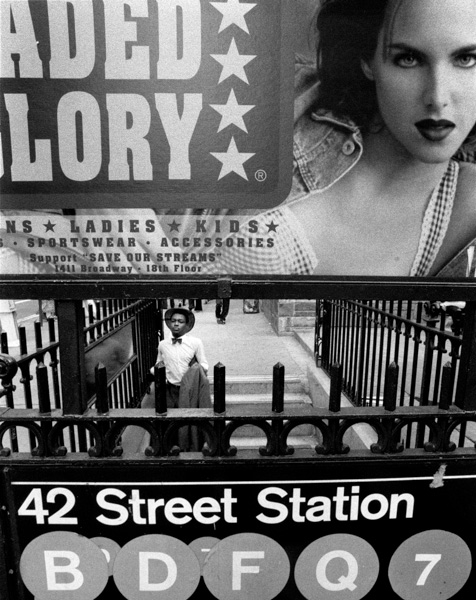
406, 60
466, 60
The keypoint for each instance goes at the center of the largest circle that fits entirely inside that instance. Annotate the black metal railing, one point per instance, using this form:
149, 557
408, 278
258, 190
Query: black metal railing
122, 334
366, 336
97, 432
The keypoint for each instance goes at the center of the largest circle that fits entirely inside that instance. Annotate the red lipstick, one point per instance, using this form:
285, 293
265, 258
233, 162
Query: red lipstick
433, 130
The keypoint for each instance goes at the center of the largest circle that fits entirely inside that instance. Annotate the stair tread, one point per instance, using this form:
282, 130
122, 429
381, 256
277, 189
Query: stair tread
289, 398
257, 441
256, 378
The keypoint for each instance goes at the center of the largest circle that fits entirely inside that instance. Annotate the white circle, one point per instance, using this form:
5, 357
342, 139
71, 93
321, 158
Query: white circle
64, 564
337, 567
431, 564
246, 566
156, 566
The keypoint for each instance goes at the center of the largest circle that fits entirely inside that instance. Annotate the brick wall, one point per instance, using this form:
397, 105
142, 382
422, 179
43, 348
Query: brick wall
287, 315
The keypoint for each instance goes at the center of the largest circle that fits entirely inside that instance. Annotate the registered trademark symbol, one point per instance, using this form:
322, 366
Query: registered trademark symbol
260, 175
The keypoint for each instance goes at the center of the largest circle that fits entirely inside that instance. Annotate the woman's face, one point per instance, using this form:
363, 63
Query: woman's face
425, 76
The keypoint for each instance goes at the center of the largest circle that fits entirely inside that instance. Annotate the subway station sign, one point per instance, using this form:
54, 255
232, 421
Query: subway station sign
185, 532
145, 103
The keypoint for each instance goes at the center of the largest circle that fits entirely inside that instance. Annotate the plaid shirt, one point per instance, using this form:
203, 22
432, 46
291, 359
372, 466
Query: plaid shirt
436, 221
292, 253
285, 250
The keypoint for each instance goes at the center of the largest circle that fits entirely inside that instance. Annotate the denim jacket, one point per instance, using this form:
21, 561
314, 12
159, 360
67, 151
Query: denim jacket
326, 147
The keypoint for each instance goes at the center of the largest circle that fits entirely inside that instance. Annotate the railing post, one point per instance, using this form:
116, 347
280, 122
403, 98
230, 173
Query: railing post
8, 370
318, 333
446, 387
219, 403
466, 388
426, 376
428, 359
336, 388
278, 388
160, 389
159, 315
44, 402
100, 377
326, 333
390, 387
71, 344
361, 362
219, 389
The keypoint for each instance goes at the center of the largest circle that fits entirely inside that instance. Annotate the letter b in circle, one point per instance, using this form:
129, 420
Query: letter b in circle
64, 564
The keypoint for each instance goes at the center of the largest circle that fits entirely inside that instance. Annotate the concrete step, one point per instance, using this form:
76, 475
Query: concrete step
260, 399
252, 443
236, 385
247, 436
291, 399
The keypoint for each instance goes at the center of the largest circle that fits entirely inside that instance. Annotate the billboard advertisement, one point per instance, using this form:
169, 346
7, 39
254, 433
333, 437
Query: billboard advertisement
198, 137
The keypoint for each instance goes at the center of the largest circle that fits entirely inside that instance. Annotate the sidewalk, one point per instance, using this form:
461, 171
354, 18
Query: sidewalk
247, 345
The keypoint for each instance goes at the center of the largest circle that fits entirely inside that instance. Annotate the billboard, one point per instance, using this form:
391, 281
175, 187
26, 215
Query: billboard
189, 137
174, 104
234, 533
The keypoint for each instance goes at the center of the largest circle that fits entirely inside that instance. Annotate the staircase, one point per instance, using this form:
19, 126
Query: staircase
249, 348
257, 391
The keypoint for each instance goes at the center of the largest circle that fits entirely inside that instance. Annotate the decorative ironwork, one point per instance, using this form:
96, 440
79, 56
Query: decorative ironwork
49, 430
98, 431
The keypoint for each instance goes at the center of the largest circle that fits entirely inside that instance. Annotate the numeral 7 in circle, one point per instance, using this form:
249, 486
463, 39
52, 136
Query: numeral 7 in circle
432, 560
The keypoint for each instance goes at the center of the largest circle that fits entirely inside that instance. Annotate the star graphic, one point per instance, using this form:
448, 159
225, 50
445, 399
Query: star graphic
49, 226
232, 160
174, 226
233, 62
233, 13
271, 226
232, 113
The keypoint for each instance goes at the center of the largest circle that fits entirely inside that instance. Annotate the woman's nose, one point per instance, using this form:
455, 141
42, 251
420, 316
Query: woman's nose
437, 89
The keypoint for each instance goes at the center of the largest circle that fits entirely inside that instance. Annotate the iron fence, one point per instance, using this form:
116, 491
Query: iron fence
366, 336
120, 334
410, 379
97, 432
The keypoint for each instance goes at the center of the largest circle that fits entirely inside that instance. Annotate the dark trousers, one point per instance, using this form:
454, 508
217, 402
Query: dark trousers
222, 308
172, 394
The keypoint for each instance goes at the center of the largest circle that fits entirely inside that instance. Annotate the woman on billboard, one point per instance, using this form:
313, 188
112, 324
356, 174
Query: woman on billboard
377, 187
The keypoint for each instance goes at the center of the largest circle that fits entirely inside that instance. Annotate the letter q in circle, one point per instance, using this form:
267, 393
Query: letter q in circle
63, 564
337, 567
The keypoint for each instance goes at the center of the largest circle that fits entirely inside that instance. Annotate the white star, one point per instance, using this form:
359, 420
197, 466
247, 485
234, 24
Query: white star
233, 13
232, 160
233, 62
232, 113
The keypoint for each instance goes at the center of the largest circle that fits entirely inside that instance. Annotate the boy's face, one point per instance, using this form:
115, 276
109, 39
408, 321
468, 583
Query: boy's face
178, 323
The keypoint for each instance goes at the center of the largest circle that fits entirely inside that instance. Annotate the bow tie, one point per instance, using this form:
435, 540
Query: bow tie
176, 340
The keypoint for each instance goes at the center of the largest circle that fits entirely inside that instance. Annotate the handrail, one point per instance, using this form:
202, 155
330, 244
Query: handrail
240, 286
